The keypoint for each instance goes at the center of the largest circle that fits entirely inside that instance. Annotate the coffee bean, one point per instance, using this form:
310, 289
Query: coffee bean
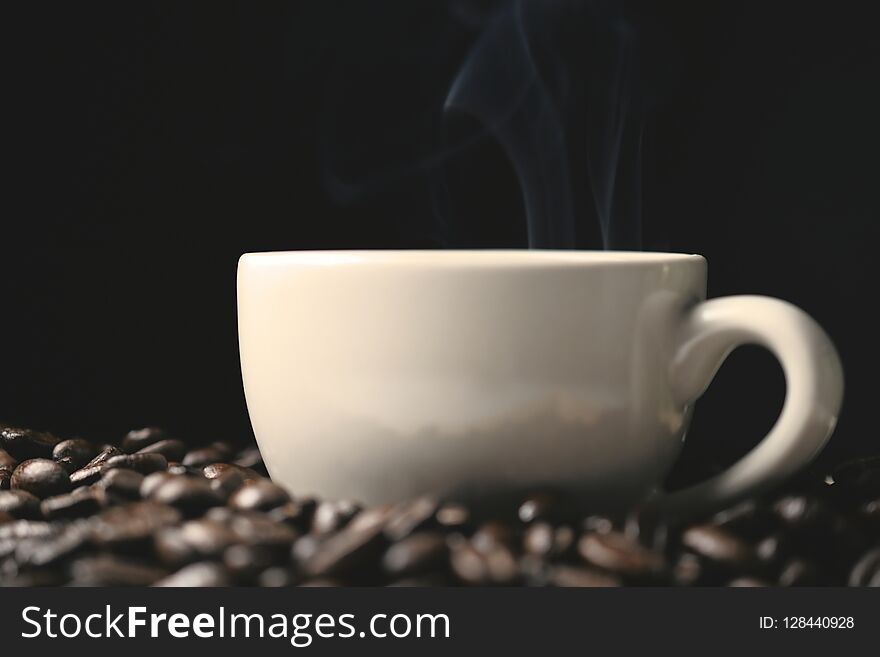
152, 481
543, 540
773, 549
140, 438
42, 477
46, 550
420, 552
352, 548
297, 513
260, 495
194, 540
799, 572
23, 529
132, 523
453, 516
578, 576
717, 544
801, 511
190, 495
80, 503
74, 453
407, 518
540, 506
688, 570
203, 456
491, 535
205, 574
501, 565
24, 444
249, 458
7, 461
123, 483
330, 516
171, 448
108, 570
305, 548
866, 571
469, 565
598, 524
246, 562
87, 475
259, 530
215, 470
616, 553
5, 478
106, 453
143, 463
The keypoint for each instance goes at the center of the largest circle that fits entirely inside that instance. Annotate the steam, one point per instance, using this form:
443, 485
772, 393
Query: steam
502, 86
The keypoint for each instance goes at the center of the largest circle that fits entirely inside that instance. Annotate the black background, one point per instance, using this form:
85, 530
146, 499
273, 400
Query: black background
150, 144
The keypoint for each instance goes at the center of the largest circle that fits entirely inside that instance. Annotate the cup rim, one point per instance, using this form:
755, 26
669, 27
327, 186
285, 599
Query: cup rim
469, 257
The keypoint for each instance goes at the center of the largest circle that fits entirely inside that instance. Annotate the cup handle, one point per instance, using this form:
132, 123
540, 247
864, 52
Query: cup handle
814, 391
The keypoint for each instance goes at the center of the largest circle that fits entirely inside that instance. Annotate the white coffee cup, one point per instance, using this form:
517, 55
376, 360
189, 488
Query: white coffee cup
480, 375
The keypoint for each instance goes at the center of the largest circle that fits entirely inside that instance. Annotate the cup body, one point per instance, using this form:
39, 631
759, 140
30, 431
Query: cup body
473, 375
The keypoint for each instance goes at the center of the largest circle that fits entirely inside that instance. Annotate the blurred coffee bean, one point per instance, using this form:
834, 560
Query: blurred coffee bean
333, 515
417, 553
249, 458
469, 565
195, 540
598, 524
357, 546
191, 495
261, 495
688, 570
278, 576
41, 477
540, 506
24, 444
75, 453
139, 462
171, 448
215, 470
20, 504
748, 519
140, 438
493, 534
7, 460
258, 529
246, 562
26, 529
801, 511
132, 523
206, 574
202, 456
80, 503
305, 547
717, 544
501, 565
866, 571
123, 483
773, 549
410, 517
799, 572
46, 550
297, 513
616, 553
453, 517
543, 540
578, 576
152, 481
108, 570
5, 477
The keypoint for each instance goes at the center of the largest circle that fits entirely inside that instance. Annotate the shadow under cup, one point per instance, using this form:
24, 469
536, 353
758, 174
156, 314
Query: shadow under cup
471, 375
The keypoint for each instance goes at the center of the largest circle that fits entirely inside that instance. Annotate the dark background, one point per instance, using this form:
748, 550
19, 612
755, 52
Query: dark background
150, 144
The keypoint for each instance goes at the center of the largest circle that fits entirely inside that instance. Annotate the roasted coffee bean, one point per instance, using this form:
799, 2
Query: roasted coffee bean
202, 456
152, 481
215, 470
278, 576
22, 529
122, 526
245, 562
773, 549
191, 495
5, 477
331, 516
866, 571
107, 570
123, 483
577, 576
205, 574
260, 495
80, 503
227, 482
455, 517
107, 453
46, 550
418, 553
171, 448
140, 438
469, 565
355, 547
747, 519
543, 540
297, 513
74, 453
688, 570
24, 444
410, 517
249, 458
42, 477
259, 530
540, 506
194, 540
616, 553
87, 475
143, 463
491, 535
305, 548
799, 572
801, 511
7, 460
501, 565
717, 544
597, 524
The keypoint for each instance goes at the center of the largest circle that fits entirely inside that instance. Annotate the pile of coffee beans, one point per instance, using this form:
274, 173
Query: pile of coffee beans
152, 511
